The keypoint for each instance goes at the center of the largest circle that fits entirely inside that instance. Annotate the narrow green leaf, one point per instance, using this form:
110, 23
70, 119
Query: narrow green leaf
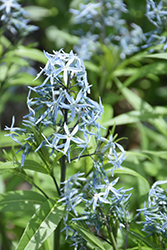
20, 200
41, 225
89, 236
28, 164
38, 13
144, 240
6, 166
161, 154
139, 104
91, 66
157, 68
136, 116
35, 166
10, 58
31, 53
129, 171
158, 56
136, 101
58, 35
137, 154
22, 78
5, 42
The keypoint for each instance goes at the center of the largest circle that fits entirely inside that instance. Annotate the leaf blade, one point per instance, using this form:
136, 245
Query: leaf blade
41, 225
20, 200
89, 237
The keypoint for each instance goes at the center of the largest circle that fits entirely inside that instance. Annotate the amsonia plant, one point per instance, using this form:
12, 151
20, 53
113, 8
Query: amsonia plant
61, 128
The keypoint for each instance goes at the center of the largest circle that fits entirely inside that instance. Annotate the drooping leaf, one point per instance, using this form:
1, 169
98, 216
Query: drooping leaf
35, 166
31, 53
89, 237
157, 68
139, 104
37, 12
144, 240
60, 36
157, 55
161, 154
22, 78
129, 171
136, 116
41, 225
20, 200
6, 166
28, 164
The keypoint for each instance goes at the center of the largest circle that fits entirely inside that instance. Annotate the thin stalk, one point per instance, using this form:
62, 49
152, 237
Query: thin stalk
5, 241
112, 239
41, 191
57, 237
57, 187
111, 235
126, 241
62, 179
63, 170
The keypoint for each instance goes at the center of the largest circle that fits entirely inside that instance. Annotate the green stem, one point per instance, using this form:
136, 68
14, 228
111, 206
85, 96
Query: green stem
110, 233
5, 241
57, 237
41, 191
63, 177
58, 229
112, 239
63, 170
57, 187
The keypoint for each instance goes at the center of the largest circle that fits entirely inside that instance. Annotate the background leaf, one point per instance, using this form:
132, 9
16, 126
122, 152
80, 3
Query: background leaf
20, 200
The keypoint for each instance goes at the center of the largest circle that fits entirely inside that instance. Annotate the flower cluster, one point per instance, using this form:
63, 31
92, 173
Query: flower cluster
101, 203
105, 22
155, 213
106, 25
157, 15
15, 18
61, 106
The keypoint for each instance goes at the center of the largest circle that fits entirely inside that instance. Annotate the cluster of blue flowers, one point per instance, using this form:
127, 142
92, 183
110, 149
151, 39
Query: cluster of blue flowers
157, 15
102, 205
14, 18
106, 25
155, 213
61, 104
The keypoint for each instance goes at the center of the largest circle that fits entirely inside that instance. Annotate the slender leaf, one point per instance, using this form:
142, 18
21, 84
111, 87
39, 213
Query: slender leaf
129, 171
139, 104
28, 164
31, 53
41, 225
89, 236
144, 240
157, 68
161, 154
136, 116
20, 200
35, 166
6, 166
58, 35
22, 78
158, 56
